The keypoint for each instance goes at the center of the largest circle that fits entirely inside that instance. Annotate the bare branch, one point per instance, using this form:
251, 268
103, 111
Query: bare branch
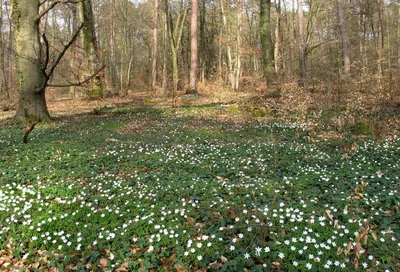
308, 51
47, 53
53, 4
61, 54
46, 10
77, 83
28, 128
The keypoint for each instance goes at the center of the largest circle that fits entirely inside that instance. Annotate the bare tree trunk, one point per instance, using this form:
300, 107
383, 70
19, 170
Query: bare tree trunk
91, 46
266, 39
32, 101
175, 36
277, 36
361, 37
193, 49
343, 36
4, 83
302, 53
227, 29
112, 42
165, 56
220, 57
9, 62
398, 38
380, 43
238, 45
72, 62
203, 61
155, 47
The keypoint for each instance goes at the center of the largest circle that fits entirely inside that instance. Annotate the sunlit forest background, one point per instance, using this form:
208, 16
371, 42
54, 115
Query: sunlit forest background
229, 47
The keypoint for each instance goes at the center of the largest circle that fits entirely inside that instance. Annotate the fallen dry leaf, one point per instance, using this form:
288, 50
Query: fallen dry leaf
180, 268
103, 262
121, 269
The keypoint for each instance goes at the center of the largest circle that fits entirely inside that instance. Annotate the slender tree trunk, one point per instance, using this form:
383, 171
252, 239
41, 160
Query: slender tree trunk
128, 73
302, 53
32, 101
9, 62
113, 70
398, 38
193, 49
380, 37
266, 39
238, 45
165, 55
361, 37
220, 57
175, 36
155, 47
343, 37
380, 43
203, 61
4, 85
75, 25
227, 28
277, 36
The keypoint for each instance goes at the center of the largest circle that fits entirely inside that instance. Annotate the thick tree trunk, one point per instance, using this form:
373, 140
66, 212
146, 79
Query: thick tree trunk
32, 82
266, 38
343, 37
91, 46
155, 47
193, 49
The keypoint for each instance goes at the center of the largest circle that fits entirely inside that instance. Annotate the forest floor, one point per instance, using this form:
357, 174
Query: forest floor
218, 181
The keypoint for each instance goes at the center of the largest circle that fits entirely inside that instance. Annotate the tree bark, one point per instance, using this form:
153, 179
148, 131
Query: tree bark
343, 37
302, 53
277, 36
155, 47
4, 85
175, 36
380, 42
266, 39
165, 55
91, 46
73, 61
238, 65
32, 81
193, 49
398, 38
227, 28
202, 52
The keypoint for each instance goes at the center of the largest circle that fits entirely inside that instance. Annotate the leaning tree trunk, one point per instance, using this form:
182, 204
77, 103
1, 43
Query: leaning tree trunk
32, 101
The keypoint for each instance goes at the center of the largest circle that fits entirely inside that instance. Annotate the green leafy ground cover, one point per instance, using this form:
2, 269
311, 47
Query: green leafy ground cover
150, 189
